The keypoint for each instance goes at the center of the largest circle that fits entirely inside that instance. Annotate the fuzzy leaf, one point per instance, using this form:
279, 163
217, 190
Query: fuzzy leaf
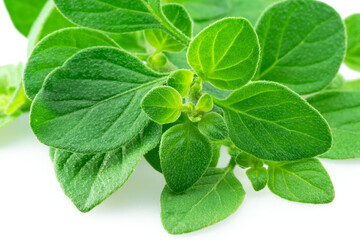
352, 58
258, 177
92, 103
89, 179
23, 13
119, 16
161, 40
303, 181
153, 157
213, 126
185, 155
302, 45
226, 53
162, 104
271, 122
54, 50
342, 111
217, 195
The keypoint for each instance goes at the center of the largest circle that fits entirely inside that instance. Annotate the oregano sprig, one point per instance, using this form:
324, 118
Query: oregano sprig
112, 81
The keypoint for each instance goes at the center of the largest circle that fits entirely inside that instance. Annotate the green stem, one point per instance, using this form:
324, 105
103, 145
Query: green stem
231, 164
224, 142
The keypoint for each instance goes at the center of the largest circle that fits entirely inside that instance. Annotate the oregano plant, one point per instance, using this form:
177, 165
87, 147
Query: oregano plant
175, 82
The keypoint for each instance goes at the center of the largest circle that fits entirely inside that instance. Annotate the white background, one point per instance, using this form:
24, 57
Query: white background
32, 205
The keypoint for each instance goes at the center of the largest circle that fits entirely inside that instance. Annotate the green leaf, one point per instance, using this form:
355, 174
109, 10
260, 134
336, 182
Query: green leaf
12, 98
54, 50
213, 126
162, 104
202, 10
185, 155
89, 179
92, 103
161, 40
304, 57
244, 160
217, 195
23, 13
48, 21
119, 16
181, 81
10, 76
258, 177
153, 157
303, 181
352, 59
271, 122
226, 53
158, 60
342, 111
205, 103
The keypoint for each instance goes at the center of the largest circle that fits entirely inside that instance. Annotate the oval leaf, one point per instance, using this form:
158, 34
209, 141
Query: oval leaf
185, 155
54, 50
258, 177
89, 179
342, 111
226, 53
213, 126
162, 105
304, 57
162, 41
217, 195
352, 58
271, 122
92, 103
303, 181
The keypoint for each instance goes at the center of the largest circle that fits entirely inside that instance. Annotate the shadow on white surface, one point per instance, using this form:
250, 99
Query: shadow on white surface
16, 132
141, 192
